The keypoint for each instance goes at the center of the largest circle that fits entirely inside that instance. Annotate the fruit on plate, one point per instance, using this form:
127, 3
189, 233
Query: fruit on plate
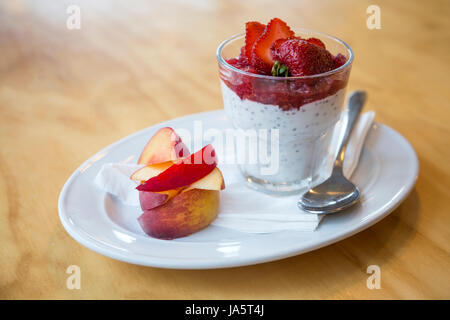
178, 195
150, 200
165, 145
182, 215
184, 172
150, 171
212, 181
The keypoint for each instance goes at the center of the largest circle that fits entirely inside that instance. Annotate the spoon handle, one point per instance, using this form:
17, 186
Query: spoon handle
355, 104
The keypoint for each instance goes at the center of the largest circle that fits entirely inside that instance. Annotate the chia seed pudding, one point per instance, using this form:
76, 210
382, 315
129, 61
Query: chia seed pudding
304, 135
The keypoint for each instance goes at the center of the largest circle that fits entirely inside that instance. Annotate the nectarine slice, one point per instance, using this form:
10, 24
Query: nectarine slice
213, 181
165, 145
186, 213
183, 173
150, 200
150, 171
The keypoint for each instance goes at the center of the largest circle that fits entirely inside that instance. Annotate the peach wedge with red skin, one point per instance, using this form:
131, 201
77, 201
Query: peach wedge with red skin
150, 171
165, 145
183, 173
184, 214
150, 200
213, 181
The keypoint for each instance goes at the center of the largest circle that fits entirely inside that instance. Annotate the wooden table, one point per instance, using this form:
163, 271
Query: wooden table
65, 94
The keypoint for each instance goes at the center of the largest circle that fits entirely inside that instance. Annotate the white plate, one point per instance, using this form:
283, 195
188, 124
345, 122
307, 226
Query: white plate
386, 174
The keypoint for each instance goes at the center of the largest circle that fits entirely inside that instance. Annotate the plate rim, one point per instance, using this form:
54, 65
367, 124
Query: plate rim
230, 262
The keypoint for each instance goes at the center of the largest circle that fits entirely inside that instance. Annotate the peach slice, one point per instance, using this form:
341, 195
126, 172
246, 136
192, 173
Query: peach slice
183, 173
184, 214
150, 171
150, 200
213, 181
165, 145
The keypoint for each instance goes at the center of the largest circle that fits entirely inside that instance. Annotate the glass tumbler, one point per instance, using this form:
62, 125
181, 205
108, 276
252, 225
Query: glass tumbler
289, 120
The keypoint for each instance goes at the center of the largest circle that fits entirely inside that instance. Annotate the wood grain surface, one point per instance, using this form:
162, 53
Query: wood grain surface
65, 94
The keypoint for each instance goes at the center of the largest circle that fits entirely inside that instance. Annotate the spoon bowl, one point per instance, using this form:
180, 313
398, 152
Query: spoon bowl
333, 195
337, 192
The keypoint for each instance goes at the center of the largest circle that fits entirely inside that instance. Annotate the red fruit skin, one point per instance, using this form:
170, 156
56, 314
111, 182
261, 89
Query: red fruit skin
276, 45
339, 60
180, 216
183, 173
261, 57
153, 198
303, 58
316, 42
253, 31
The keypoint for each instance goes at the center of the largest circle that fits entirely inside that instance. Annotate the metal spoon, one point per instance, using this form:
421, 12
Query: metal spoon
336, 193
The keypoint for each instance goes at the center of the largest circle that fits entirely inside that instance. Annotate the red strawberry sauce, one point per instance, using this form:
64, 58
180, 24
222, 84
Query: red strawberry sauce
287, 93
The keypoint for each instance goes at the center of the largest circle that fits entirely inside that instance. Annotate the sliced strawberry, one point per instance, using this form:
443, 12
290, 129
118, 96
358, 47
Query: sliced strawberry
253, 31
261, 57
317, 42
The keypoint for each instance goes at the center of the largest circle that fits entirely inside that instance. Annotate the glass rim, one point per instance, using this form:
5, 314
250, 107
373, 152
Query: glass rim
331, 72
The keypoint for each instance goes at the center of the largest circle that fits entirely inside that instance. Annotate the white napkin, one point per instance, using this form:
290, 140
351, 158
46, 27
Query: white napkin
242, 209
114, 178
356, 141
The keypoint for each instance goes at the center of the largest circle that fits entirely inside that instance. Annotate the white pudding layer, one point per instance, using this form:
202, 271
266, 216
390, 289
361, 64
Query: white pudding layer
304, 134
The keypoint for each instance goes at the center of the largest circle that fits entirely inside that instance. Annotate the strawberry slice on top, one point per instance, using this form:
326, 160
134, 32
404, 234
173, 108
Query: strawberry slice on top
261, 56
253, 31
